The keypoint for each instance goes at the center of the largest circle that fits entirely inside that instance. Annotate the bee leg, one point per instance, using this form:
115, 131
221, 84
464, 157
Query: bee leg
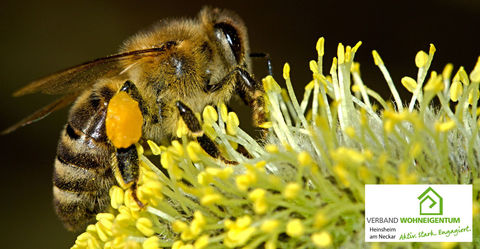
127, 174
194, 126
249, 90
127, 161
133, 92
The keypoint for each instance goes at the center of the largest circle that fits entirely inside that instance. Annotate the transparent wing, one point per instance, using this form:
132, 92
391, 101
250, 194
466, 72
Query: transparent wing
80, 77
43, 112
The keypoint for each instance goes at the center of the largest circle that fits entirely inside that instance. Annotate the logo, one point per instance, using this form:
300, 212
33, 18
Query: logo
418, 213
431, 203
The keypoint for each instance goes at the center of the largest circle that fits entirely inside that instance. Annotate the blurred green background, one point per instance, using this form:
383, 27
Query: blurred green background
41, 37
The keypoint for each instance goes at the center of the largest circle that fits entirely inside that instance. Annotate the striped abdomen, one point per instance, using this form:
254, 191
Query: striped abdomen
82, 174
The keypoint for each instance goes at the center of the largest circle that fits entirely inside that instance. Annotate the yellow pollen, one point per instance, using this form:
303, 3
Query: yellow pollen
243, 222
208, 129
152, 242
201, 242
355, 67
432, 49
409, 83
123, 121
313, 66
475, 74
350, 131
348, 54
260, 206
179, 226
204, 178
270, 85
266, 125
154, 147
286, 71
209, 114
304, 158
342, 174
376, 58
106, 216
116, 196
456, 90
166, 160
310, 86
182, 129
270, 244
421, 59
223, 111
260, 164
104, 229
291, 190
257, 194
152, 190
462, 75
320, 46
355, 48
177, 244
416, 149
210, 199
435, 83
445, 126
295, 228
341, 54
269, 226
145, 226
322, 239
356, 88
470, 95
447, 71
176, 148
347, 155
476, 209
271, 148
232, 123
320, 219
194, 150
187, 246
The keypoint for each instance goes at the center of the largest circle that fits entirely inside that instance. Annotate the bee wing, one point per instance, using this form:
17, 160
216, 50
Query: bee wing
79, 77
72, 81
43, 112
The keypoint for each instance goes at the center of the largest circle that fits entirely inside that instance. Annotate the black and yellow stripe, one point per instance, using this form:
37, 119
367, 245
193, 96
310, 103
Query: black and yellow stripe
82, 173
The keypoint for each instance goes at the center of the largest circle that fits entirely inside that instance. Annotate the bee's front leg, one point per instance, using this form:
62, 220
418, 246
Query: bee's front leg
194, 126
249, 90
124, 123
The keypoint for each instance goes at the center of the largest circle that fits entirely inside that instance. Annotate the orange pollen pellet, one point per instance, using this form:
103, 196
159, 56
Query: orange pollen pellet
124, 121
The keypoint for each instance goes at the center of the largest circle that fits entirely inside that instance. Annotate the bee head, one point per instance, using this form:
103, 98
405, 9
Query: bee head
229, 34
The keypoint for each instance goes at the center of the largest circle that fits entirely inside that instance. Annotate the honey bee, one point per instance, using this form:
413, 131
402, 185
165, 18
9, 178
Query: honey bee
172, 71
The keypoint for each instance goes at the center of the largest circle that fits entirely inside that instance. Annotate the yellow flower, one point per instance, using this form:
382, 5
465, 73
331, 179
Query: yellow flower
306, 178
291, 190
321, 239
295, 228
239, 232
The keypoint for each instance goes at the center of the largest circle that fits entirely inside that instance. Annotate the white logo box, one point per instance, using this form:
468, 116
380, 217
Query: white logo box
418, 213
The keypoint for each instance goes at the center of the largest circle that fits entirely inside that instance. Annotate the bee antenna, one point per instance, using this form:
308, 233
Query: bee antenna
265, 56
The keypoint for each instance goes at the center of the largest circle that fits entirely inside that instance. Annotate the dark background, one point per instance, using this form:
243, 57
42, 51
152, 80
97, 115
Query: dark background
41, 37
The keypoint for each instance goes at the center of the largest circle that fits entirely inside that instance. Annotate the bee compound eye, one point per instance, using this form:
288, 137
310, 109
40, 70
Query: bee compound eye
231, 35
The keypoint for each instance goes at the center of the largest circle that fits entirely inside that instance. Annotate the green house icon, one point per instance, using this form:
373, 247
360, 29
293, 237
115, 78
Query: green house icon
431, 203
